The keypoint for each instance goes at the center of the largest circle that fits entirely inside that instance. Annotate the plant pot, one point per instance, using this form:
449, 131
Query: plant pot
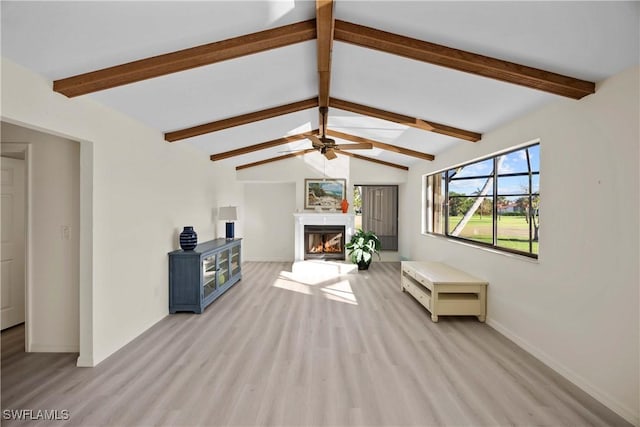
188, 239
364, 265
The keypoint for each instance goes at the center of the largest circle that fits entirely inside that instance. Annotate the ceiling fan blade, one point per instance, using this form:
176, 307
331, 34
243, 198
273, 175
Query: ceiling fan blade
361, 146
294, 151
330, 154
315, 141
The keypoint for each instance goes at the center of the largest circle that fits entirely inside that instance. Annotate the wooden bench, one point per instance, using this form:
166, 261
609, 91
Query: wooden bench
444, 290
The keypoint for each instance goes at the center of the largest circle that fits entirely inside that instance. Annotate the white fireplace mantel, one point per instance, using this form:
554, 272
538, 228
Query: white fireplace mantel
319, 218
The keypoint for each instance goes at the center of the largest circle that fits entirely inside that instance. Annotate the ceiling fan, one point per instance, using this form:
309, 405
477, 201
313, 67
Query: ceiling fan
328, 146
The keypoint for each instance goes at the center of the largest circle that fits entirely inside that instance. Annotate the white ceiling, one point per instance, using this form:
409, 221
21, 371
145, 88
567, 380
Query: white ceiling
586, 40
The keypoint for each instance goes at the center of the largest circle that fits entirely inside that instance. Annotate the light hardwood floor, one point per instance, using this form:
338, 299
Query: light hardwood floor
350, 350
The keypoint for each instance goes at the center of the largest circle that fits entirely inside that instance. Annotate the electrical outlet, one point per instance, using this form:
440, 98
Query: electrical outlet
66, 232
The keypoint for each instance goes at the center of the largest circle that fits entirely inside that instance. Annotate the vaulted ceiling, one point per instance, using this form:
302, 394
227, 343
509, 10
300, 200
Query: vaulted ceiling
243, 81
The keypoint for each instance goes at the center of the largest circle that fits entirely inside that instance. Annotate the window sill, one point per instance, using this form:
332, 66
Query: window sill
485, 248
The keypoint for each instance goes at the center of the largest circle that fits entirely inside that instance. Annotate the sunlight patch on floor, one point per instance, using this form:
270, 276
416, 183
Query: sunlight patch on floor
317, 271
319, 277
292, 285
341, 292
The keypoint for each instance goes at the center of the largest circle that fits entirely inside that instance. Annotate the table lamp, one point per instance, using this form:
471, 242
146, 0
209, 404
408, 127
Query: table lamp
229, 214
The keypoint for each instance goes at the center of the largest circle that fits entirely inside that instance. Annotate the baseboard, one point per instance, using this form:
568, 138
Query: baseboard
85, 362
601, 396
52, 348
274, 259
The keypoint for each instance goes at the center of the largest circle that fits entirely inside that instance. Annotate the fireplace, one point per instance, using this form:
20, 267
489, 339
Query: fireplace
325, 219
324, 242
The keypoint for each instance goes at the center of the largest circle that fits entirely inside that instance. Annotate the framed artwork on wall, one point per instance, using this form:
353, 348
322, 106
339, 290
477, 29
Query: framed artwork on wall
324, 194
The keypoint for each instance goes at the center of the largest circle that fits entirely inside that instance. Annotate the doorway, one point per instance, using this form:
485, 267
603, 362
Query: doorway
376, 208
13, 237
59, 239
52, 229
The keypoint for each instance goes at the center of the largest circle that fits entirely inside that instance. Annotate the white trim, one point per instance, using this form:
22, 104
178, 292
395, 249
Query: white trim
315, 218
603, 397
25, 148
29, 251
426, 220
83, 362
48, 348
85, 298
268, 259
496, 251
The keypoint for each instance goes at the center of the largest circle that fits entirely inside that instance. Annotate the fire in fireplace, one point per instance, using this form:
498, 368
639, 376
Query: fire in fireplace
324, 241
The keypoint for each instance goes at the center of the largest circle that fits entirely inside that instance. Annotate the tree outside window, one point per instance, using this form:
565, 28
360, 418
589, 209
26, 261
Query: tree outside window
494, 201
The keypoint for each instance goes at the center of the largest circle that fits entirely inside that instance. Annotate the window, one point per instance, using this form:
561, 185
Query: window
494, 202
377, 210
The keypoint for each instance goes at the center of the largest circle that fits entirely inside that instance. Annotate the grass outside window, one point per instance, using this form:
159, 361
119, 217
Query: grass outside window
494, 201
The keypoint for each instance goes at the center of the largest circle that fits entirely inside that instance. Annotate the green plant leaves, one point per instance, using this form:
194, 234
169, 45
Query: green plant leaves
363, 245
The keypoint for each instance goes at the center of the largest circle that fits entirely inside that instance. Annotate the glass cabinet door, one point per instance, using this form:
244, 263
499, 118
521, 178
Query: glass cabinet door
235, 260
223, 268
209, 275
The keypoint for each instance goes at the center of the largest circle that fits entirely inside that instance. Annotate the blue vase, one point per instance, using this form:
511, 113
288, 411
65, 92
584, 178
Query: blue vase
188, 239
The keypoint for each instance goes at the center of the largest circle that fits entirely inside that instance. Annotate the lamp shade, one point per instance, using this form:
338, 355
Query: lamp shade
228, 213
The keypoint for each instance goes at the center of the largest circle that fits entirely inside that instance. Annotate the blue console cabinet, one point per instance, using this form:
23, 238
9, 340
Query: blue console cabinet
198, 277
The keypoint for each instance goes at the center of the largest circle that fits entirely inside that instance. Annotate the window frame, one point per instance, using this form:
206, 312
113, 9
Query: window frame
429, 199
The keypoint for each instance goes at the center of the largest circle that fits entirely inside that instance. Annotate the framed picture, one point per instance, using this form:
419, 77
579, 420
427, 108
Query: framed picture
324, 193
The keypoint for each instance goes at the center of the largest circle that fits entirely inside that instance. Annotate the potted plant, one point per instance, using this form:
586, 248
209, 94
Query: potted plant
361, 248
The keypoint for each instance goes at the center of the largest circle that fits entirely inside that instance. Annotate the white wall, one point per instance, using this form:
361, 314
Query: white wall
55, 202
269, 224
139, 192
229, 192
294, 171
576, 308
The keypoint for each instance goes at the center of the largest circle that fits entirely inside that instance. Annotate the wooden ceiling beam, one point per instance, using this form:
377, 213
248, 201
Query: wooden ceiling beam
369, 159
240, 120
381, 145
311, 150
324, 30
186, 59
276, 159
406, 120
261, 146
463, 61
